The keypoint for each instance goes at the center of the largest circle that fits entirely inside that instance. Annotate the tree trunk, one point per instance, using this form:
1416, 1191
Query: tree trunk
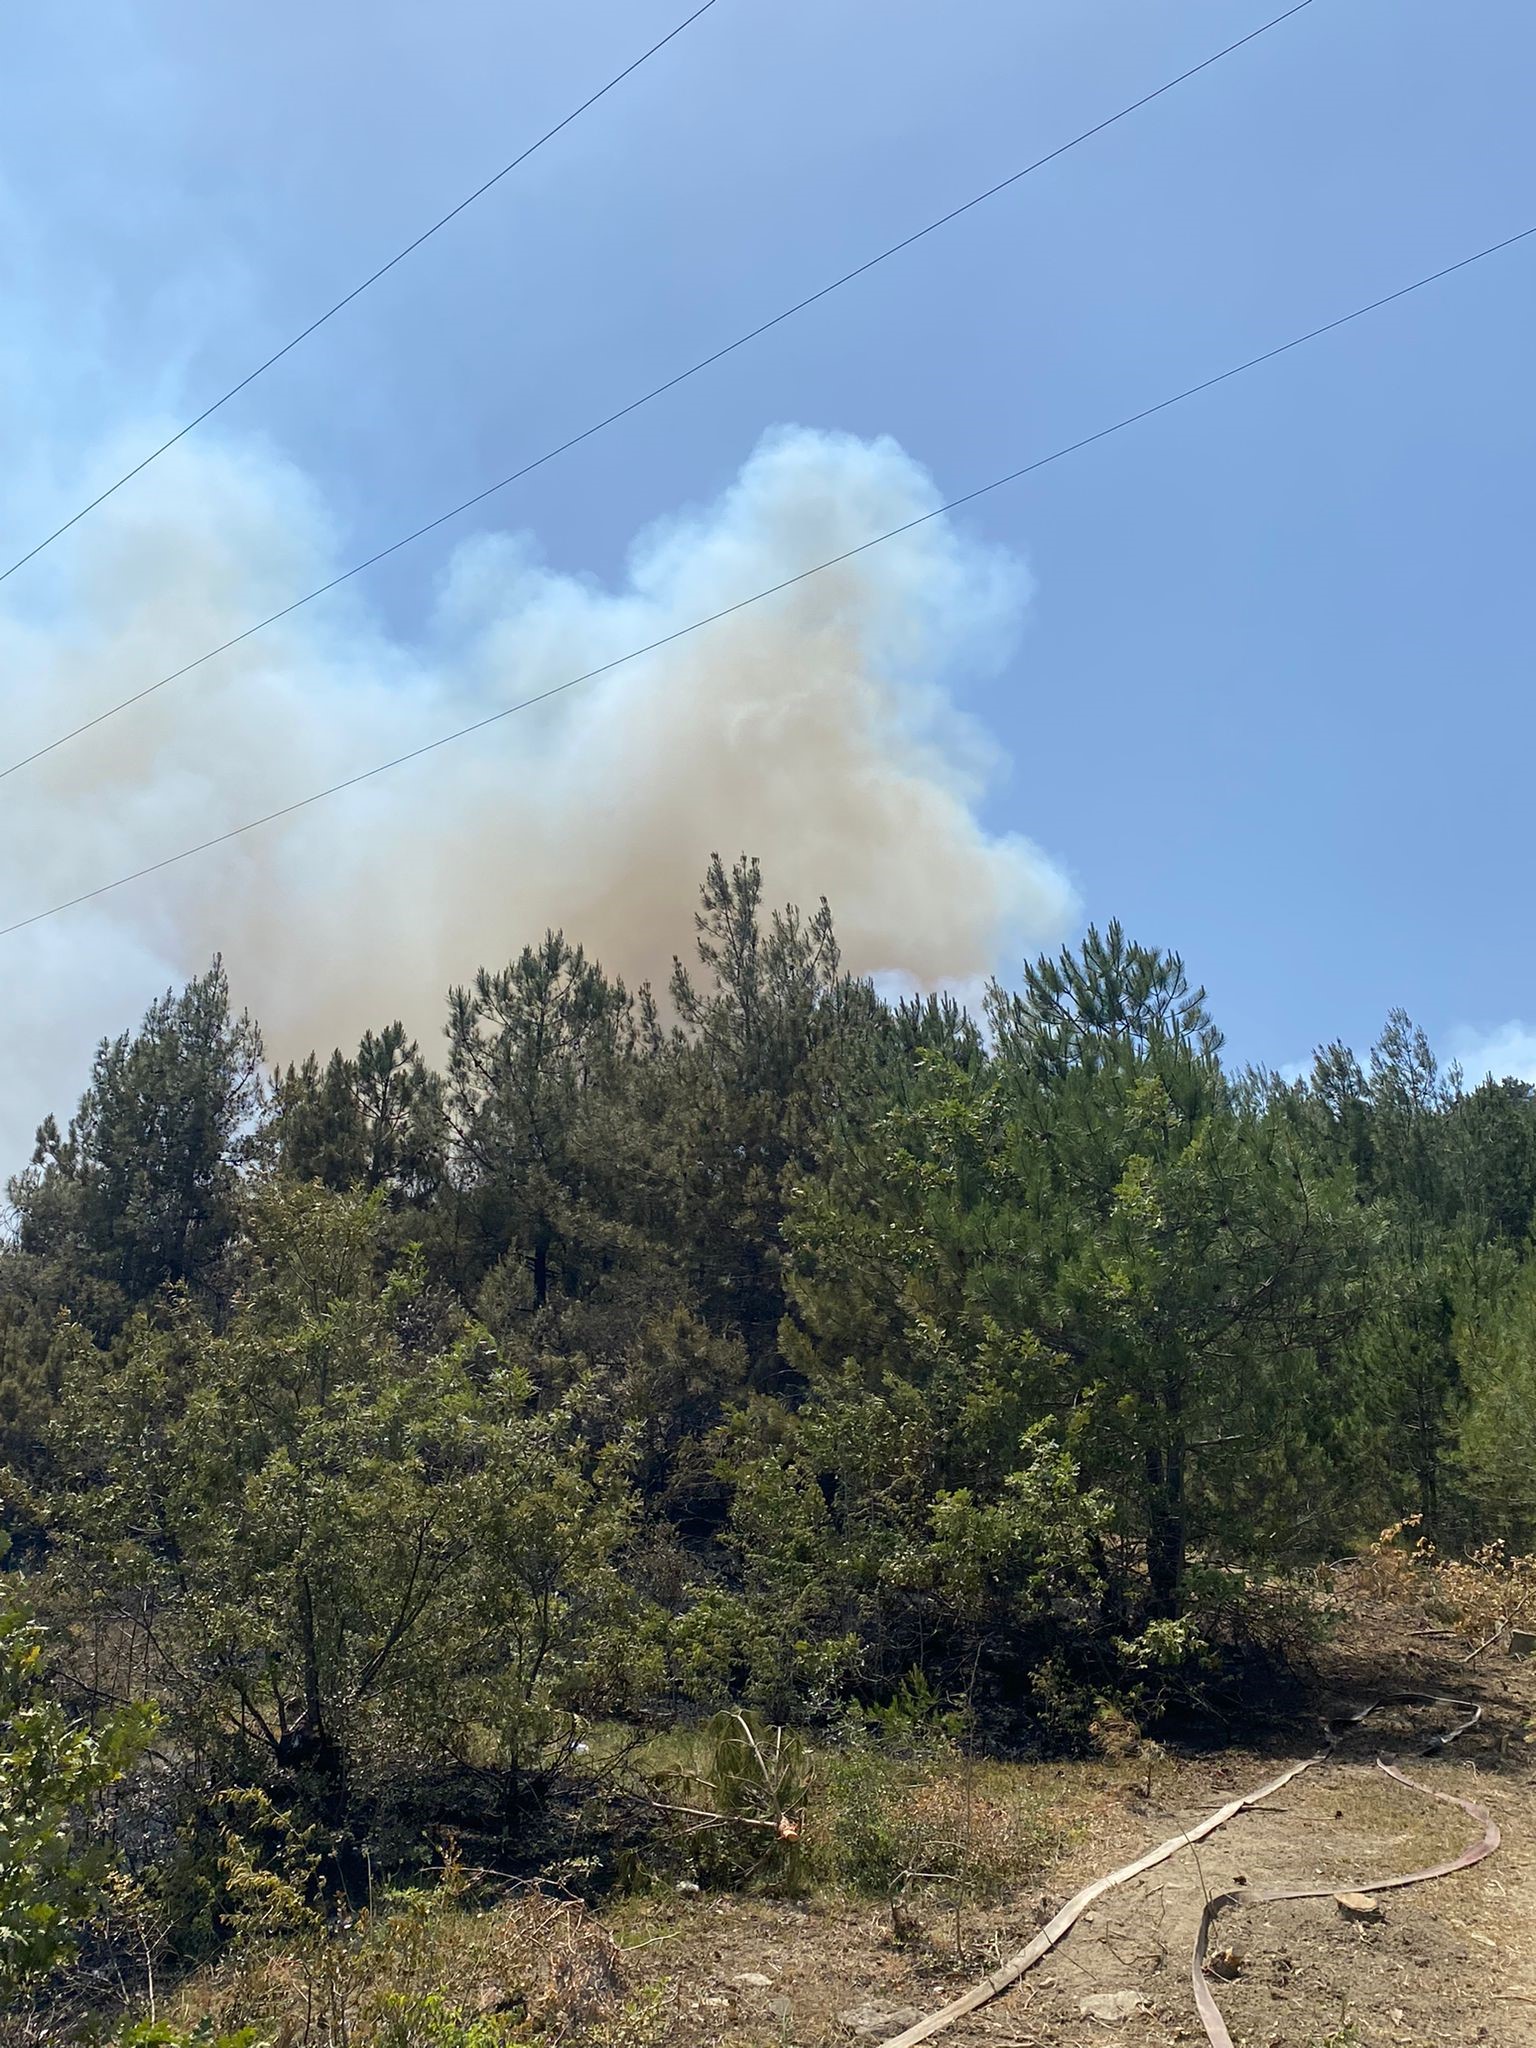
1165, 1562
1167, 1536
309, 1748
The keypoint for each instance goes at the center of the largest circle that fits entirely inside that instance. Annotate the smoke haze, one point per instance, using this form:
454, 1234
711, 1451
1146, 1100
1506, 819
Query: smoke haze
816, 730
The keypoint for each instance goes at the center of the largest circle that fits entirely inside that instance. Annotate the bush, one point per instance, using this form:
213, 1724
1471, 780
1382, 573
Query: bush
739, 1810
1480, 1595
426, 1970
50, 1875
882, 1824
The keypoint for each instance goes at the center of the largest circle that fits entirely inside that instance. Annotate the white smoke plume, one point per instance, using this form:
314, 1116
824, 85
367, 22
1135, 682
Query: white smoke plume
816, 730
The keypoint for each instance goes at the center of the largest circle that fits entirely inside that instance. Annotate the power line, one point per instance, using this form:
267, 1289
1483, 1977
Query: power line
788, 583
357, 290
634, 405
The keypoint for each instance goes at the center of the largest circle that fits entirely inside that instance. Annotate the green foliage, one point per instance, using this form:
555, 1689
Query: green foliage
915, 1717
143, 1190
1099, 1231
1496, 1442
431, 2019
776, 1050
372, 1121
536, 1062
739, 1808
161, 2034
790, 1357
338, 1534
50, 1768
921, 1817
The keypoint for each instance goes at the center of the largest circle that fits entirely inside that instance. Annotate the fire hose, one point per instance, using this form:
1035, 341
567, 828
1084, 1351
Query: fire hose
1061, 1924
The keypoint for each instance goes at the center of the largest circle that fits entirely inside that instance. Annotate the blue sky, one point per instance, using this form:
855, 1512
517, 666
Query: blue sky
1270, 702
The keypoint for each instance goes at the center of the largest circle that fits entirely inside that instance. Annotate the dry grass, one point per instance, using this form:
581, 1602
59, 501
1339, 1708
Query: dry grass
919, 1871
884, 1827
429, 1972
1480, 1596
860, 1818
918, 1840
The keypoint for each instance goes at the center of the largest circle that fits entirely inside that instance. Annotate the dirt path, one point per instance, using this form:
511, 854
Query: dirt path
1441, 1963
1444, 1963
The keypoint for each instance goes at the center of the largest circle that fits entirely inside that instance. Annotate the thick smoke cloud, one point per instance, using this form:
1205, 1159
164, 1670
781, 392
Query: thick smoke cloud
816, 729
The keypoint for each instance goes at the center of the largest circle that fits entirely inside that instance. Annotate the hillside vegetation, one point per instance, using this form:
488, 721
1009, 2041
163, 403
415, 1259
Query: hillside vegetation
567, 1453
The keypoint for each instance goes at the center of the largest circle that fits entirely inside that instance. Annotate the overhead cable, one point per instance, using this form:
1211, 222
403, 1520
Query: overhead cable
786, 583
356, 292
656, 391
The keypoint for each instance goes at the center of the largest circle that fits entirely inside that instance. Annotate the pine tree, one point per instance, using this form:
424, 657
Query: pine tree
142, 1191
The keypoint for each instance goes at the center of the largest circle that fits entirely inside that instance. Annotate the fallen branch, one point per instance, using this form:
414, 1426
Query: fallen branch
1472, 1655
784, 1825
